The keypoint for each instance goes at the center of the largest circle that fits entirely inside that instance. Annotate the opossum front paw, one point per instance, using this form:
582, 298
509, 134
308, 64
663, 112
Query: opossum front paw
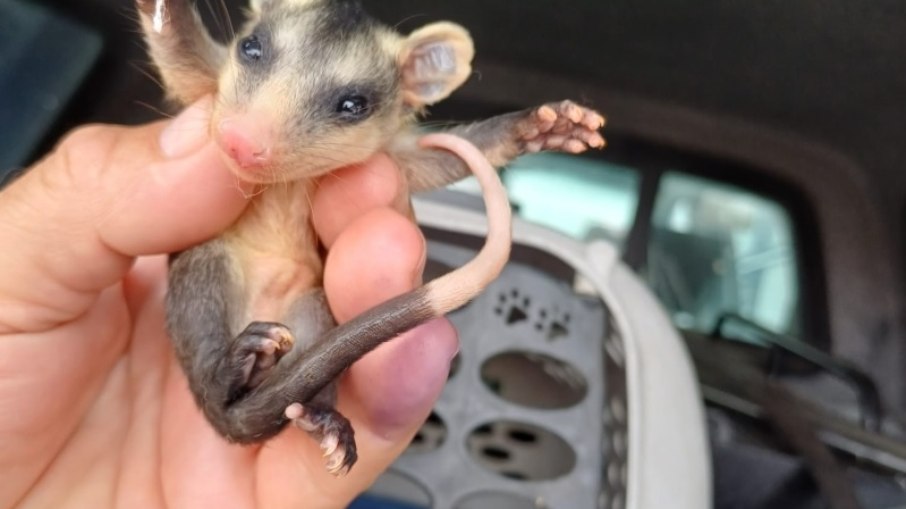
564, 126
257, 349
331, 430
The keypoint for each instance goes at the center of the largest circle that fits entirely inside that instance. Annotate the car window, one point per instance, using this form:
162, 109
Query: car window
584, 198
716, 249
712, 249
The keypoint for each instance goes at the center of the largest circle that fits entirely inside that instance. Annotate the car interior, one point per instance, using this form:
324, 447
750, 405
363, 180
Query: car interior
752, 184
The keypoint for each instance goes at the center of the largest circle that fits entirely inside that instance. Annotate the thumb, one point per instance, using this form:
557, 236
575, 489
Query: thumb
72, 225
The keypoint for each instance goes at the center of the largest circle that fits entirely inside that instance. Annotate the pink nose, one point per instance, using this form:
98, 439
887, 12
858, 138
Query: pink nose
245, 141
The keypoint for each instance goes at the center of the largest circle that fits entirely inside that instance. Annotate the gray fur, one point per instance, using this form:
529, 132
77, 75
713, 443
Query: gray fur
202, 299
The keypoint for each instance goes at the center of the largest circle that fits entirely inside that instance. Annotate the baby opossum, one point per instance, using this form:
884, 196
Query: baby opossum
307, 87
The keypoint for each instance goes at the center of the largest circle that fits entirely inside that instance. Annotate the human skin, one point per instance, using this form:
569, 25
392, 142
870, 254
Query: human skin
94, 409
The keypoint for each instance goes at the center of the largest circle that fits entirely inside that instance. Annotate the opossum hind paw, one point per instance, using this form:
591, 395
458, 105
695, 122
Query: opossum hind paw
331, 430
564, 126
257, 349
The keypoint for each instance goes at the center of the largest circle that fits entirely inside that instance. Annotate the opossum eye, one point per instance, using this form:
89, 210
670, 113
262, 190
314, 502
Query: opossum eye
250, 48
353, 107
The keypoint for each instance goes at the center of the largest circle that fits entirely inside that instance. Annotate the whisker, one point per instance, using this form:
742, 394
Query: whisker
333, 174
408, 18
248, 195
438, 123
215, 17
140, 68
154, 109
229, 21
129, 13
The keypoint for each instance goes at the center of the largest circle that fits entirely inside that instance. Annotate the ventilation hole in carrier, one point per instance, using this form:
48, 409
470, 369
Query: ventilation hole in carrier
430, 436
454, 366
516, 476
522, 436
546, 456
533, 380
495, 453
499, 501
484, 429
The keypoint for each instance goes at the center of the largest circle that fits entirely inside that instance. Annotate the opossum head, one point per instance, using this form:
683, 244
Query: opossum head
313, 85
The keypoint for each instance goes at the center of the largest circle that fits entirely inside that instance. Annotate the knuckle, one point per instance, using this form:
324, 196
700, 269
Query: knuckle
85, 152
87, 144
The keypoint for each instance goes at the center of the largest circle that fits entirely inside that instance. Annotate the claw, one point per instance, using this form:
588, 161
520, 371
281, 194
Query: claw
592, 139
334, 464
257, 350
329, 444
593, 121
340, 463
331, 430
285, 338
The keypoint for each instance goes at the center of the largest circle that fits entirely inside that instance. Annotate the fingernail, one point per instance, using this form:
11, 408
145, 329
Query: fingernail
188, 131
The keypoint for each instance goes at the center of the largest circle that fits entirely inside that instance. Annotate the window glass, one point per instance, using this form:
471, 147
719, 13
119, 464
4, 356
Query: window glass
584, 198
717, 249
713, 249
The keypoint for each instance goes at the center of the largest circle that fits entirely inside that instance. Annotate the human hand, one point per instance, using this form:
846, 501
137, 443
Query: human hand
94, 409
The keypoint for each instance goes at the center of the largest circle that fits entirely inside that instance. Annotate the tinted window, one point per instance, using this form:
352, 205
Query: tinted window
583, 198
712, 248
717, 249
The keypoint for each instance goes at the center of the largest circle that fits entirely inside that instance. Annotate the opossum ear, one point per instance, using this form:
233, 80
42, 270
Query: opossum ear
435, 60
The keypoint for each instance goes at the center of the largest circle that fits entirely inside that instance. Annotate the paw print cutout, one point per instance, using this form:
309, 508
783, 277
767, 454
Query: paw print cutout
553, 323
513, 307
